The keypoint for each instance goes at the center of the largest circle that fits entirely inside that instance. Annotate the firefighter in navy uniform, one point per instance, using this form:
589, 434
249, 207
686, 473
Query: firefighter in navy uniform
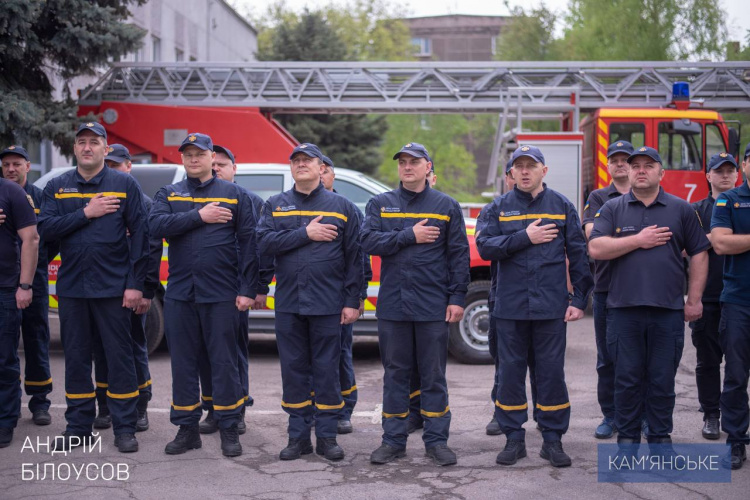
34, 319
617, 164
530, 231
314, 236
346, 364
722, 176
419, 234
17, 267
213, 269
118, 158
225, 167
90, 210
644, 233
730, 236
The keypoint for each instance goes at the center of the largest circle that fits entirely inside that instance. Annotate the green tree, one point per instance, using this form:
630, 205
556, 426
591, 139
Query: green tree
644, 30
529, 35
359, 31
44, 41
443, 137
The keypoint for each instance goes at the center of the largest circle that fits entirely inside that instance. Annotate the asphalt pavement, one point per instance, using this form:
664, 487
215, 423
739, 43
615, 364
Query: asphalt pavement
258, 473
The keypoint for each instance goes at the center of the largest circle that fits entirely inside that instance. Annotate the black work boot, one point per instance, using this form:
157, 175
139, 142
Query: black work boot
386, 453
241, 426
711, 428
6, 436
737, 455
126, 443
68, 440
296, 448
41, 417
209, 425
414, 424
230, 441
493, 428
142, 423
188, 438
104, 419
514, 449
329, 448
553, 451
344, 427
441, 454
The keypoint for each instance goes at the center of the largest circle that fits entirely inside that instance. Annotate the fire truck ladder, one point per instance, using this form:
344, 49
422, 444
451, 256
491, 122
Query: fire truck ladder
533, 90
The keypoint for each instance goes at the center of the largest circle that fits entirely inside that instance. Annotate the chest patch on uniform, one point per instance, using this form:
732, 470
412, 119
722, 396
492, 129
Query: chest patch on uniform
67, 190
286, 209
390, 210
626, 229
744, 204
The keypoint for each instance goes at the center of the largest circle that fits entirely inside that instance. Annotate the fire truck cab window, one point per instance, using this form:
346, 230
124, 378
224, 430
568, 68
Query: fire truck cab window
153, 179
680, 145
633, 132
264, 185
354, 193
714, 141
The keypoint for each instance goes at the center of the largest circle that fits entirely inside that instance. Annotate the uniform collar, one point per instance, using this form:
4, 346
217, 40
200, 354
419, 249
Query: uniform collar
744, 189
96, 180
27, 187
195, 183
410, 195
611, 191
527, 196
661, 198
303, 196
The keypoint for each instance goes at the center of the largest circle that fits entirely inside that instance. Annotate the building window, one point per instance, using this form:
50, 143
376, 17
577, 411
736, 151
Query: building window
423, 45
179, 55
493, 41
156, 48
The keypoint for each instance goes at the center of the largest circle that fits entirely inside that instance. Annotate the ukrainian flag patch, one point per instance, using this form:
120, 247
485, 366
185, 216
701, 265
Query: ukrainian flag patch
721, 203
598, 213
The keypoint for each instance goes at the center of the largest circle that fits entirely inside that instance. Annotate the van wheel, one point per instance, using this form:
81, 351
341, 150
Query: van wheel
468, 338
154, 325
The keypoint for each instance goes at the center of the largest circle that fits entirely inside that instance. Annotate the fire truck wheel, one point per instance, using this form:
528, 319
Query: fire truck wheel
155, 325
468, 338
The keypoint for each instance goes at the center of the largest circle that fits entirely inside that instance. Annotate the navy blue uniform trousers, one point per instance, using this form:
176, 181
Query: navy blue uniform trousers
35, 333
188, 326
708, 351
309, 349
10, 365
243, 365
81, 321
399, 341
646, 345
346, 372
140, 356
734, 332
547, 340
605, 367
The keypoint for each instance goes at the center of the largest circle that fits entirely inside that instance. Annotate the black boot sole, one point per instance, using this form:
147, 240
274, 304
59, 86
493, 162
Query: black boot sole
304, 451
508, 462
558, 464
194, 446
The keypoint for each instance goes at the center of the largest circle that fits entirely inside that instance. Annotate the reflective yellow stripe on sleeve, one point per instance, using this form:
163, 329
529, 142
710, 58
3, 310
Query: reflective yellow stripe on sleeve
186, 408
296, 405
435, 414
60, 196
230, 407
508, 218
230, 201
398, 215
415, 394
122, 396
311, 214
349, 391
145, 384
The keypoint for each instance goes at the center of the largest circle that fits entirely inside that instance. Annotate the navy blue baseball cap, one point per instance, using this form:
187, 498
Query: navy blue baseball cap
201, 141
508, 166
645, 151
720, 159
747, 151
309, 149
94, 127
222, 149
15, 150
118, 153
532, 152
620, 147
327, 161
414, 149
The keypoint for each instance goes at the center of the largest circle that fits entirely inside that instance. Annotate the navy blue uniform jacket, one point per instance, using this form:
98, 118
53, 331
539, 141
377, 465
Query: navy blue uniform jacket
98, 260
531, 279
313, 278
417, 281
47, 250
265, 262
155, 252
205, 260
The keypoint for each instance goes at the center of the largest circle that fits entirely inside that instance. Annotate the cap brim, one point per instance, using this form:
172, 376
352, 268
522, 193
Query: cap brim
528, 155
411, 153
6, 153
199, 146
724, 162
118, 159
618, 151
306, 153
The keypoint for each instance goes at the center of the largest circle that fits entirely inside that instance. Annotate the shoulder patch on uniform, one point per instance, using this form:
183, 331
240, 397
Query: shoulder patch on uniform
586, 207
721, 203
31, 200
598, 213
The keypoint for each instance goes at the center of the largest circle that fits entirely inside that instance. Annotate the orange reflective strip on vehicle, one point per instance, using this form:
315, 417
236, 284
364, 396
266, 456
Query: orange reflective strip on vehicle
122, 396
38, 384
230, 407
186, 408
435, 414
306, 213
80, 396
659, 113
398, 215
553, 408
511, 407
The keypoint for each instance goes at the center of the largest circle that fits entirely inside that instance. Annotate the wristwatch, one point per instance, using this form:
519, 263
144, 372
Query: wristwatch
24, 286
